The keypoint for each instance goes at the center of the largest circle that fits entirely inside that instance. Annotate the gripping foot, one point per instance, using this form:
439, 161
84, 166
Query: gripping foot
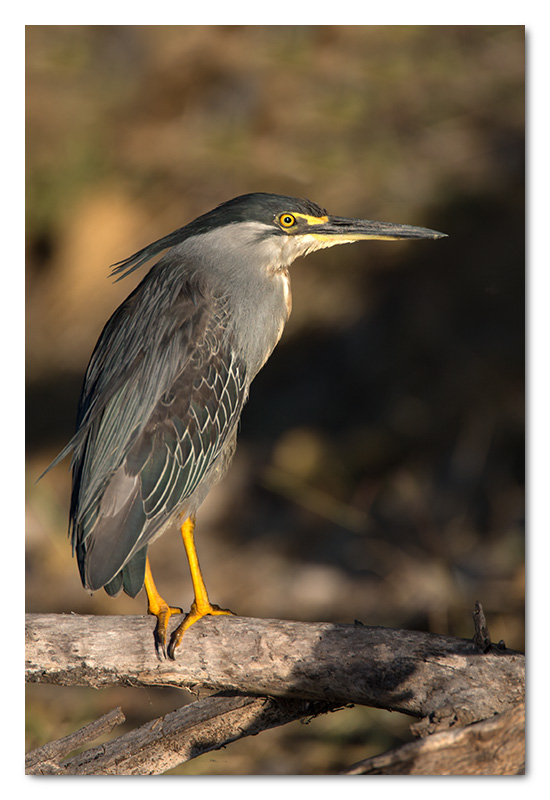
160, 609
197, 612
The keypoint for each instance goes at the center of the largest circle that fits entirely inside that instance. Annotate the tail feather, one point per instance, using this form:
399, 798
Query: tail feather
112, 540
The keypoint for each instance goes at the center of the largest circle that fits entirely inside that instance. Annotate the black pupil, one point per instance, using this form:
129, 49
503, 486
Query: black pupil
287, 220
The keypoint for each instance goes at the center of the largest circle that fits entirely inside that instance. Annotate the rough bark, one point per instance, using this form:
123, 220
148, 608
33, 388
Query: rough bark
415, 673
44, 759
494, 746
272, 672
179, 736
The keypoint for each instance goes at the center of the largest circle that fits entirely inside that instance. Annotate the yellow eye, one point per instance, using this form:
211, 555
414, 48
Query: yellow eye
287, 220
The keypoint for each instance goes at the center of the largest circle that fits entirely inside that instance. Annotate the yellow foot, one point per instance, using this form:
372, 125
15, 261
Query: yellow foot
197, 612
163, 612
159, 608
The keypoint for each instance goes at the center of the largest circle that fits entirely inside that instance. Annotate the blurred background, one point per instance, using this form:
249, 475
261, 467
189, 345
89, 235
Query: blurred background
380, 468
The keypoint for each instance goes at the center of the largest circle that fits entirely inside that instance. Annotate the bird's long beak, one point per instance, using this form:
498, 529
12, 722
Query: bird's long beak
339, 230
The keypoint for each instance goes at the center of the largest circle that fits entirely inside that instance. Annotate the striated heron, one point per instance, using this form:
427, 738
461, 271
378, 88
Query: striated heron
168, 378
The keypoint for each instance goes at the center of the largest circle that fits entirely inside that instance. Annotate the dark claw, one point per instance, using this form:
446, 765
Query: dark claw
172, 650
174, 642
163, 619
160, 642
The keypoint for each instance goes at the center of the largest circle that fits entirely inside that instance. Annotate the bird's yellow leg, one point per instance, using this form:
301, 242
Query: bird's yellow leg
201, 607
159, 608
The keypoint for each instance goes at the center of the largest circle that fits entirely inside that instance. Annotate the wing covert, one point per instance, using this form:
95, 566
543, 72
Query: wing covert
162, 462
187, 431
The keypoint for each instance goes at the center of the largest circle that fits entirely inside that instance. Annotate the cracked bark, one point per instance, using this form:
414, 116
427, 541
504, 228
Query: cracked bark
275, 671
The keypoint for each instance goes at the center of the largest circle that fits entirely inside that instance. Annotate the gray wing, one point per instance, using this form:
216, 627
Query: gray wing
152, 440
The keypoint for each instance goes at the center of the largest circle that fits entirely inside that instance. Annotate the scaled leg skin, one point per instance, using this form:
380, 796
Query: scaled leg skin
201, 607
159, 608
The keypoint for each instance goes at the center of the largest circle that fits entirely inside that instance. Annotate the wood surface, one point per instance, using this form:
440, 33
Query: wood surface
269, 672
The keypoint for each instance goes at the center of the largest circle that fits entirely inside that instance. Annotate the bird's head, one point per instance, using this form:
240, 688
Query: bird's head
298, 227
277, 228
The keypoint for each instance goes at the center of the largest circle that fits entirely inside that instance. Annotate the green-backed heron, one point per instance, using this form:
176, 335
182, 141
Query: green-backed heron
167, 381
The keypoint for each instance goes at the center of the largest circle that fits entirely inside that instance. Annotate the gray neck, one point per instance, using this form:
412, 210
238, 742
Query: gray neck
247, 272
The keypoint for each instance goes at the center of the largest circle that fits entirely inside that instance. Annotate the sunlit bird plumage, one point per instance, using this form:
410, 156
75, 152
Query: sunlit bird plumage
170, 374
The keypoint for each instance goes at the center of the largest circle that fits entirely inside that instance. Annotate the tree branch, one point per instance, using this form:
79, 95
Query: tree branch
203, 726
415, 673
495, 746
44, 759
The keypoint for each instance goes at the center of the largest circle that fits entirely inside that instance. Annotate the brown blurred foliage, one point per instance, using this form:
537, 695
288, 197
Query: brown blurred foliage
379, 473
